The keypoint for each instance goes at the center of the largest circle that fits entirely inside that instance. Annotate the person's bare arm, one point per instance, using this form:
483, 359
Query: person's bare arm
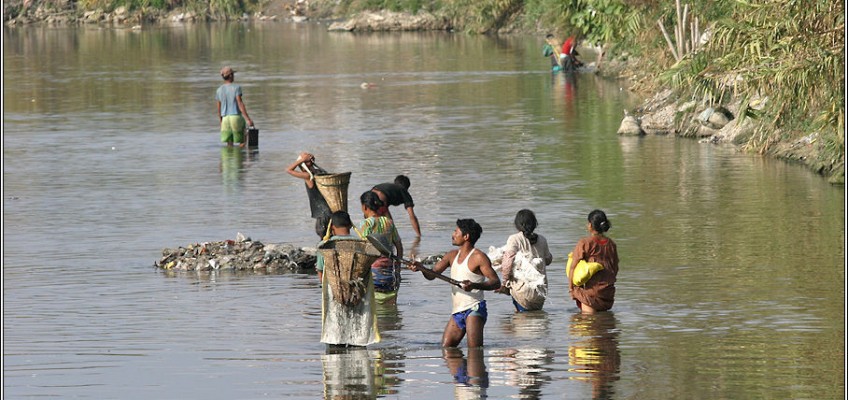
293, 171
243, 110
399, 248
414, 220
440, 266
220, 118
483, 266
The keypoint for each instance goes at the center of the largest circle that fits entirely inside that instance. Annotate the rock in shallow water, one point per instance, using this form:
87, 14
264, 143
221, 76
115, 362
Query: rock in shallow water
241, 254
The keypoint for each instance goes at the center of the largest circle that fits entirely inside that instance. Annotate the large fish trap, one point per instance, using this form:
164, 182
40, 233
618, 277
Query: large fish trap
334, 189
347, 263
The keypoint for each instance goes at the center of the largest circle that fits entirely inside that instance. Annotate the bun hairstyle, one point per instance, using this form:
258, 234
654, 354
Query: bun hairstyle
525, 222
371, 201
599, 221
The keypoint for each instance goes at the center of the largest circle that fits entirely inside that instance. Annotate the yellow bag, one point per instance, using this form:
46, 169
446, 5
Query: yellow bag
583, 271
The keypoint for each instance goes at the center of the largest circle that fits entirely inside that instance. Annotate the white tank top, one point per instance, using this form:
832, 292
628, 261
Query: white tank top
463, 300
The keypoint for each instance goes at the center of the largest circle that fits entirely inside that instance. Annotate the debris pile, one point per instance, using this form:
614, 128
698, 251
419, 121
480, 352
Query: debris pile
240, 254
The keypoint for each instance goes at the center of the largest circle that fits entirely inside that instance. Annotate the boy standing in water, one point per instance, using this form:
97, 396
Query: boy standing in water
473, 268
231, 109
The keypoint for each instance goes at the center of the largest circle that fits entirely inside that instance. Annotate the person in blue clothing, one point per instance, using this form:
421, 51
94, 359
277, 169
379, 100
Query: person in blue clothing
232, 112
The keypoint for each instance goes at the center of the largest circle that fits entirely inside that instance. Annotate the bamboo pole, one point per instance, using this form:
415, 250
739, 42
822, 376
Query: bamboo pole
683, 24
668, 40
694, 34
697, 39
677, 30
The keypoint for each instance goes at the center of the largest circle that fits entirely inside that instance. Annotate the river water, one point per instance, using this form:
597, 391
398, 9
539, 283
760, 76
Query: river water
732, 281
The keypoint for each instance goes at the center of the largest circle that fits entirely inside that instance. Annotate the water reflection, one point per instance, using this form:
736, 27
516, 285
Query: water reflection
527, 325
348, 373
471, 379
234, 161
594, 355
359, 373
526, 367
565, 88
388, 319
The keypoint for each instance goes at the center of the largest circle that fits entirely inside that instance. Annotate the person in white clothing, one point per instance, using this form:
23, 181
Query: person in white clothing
526, 255
473, 269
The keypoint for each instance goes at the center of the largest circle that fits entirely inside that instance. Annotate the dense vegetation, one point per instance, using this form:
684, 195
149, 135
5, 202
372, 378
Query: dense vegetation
783, 59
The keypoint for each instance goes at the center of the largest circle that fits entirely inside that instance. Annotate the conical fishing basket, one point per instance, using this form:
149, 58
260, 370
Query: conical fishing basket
347, 263
334, 189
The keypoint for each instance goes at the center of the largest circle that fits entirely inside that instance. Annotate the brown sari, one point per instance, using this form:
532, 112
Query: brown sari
599, 291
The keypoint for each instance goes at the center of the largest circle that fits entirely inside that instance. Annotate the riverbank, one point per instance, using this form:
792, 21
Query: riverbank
663, 112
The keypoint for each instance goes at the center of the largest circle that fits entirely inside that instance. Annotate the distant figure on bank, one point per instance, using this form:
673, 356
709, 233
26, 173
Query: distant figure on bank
395, 194
386, 272
232, 112
598, 294
345, 324
304, 168
568, 56
473, 268
551, 50
527, 253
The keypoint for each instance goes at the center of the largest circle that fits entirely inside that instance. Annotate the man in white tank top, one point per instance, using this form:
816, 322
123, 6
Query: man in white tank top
473, 269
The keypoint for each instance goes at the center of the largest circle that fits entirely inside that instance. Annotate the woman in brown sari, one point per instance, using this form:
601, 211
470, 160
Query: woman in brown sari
598, 294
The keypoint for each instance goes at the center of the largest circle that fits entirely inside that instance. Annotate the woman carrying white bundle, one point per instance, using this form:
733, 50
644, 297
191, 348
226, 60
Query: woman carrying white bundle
523, 265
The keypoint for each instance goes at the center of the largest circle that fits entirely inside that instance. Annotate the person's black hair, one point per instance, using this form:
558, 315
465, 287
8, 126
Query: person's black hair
549, 36
599, 221
341, 219
525, 222
403, 181
371, 201
471, 228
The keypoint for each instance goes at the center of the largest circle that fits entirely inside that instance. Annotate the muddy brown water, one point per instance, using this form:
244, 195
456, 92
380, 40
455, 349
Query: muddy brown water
732, 266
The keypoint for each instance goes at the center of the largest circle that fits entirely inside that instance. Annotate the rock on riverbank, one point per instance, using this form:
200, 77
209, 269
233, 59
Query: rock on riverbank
392, 21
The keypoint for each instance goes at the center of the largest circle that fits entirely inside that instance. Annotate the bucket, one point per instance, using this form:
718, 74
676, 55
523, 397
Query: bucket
334, 189
252, 137
347, 263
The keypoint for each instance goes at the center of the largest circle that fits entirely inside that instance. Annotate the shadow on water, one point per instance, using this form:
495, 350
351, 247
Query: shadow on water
594, 356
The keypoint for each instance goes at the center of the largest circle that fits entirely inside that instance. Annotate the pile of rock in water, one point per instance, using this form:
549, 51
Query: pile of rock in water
242, 254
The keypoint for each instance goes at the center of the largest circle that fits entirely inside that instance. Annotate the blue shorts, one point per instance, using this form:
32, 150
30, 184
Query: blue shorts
518, 307
479, 310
